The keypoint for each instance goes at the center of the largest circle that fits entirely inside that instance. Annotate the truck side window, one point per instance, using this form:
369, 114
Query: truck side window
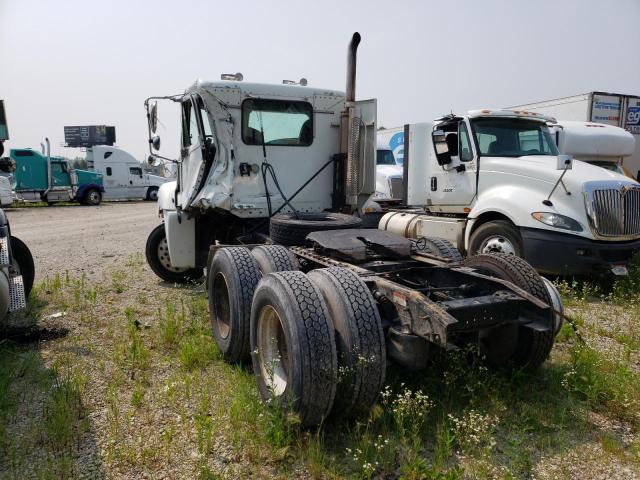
109, 171
194, 136
189, 125
135, 171
283, 122
464, 147
205, 122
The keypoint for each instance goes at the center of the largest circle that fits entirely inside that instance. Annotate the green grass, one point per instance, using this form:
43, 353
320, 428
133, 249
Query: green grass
457, 419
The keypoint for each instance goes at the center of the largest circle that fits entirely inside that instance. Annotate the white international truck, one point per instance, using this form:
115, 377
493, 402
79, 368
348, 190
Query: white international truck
494, 181
124, 177
272, 180
613, 109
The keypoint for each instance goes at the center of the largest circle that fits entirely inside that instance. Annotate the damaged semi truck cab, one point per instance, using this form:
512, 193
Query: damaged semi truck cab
249, 150
494, 181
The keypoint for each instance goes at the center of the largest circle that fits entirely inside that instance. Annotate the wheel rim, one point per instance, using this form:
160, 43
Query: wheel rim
221, 306
93, 196
273, 352
153, 195
165, 260
497, 244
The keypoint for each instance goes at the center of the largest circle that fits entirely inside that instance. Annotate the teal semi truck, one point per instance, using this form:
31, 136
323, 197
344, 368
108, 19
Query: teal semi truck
50, 179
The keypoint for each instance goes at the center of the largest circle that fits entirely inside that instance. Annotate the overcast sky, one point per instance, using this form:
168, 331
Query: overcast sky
81, 62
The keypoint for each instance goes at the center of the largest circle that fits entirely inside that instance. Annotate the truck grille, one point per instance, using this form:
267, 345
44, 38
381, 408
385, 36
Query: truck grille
616, 211
395, 184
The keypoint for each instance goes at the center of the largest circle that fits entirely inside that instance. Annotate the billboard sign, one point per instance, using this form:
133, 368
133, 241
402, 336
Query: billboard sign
89, 135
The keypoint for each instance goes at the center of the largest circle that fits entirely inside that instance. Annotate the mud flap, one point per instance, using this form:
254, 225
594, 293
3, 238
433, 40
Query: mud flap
181, 239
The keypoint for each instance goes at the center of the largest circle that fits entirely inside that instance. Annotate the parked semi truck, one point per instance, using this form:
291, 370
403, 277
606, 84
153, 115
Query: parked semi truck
494, 181
388, 175
596, 143
42, 177
124, 177
271, 180
613, 109
17, 271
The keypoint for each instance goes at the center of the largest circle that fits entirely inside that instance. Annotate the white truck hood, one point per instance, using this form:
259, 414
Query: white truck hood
389, 170
156, 180
543, 168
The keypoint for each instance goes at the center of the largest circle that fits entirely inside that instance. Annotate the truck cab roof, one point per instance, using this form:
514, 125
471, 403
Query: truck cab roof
238, 90
488, 112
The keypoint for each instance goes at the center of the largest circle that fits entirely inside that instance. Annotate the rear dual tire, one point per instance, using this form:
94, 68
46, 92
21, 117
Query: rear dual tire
360, 342
232, 279
293, 346
316, 340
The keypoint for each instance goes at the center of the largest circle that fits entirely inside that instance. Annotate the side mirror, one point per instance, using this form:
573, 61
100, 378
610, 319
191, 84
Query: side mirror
155, 142
151, 160
443, 156
153, 116
565, 162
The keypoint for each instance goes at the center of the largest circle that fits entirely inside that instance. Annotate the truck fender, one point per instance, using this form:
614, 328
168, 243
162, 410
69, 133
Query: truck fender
166, 197
86, 187
181, 238
503, 200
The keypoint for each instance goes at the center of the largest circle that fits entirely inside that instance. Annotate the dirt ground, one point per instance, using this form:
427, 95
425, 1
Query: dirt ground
81, 238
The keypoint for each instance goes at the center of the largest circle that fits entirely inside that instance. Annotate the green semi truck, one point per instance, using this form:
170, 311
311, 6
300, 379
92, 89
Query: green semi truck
42, 177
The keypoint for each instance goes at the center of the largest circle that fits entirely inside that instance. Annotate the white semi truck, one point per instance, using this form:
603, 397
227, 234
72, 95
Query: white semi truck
388, 175
269, 180
124, 178
494, 181
613, 109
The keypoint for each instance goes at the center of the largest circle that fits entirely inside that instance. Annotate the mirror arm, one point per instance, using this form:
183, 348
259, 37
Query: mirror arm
155, 155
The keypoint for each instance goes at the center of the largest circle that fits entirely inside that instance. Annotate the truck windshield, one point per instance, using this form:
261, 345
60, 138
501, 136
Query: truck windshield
512, 137
385, 157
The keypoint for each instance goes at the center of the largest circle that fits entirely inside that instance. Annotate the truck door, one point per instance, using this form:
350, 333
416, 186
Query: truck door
60, 175
195, 135
455, 184
136, 183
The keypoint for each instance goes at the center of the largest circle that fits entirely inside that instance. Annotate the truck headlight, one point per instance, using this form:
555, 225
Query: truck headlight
558, 221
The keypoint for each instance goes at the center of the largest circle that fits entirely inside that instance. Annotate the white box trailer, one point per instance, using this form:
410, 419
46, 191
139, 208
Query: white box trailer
124, 178
599, 107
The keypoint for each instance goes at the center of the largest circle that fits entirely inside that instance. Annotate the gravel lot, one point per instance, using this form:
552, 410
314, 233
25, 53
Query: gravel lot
83, 239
